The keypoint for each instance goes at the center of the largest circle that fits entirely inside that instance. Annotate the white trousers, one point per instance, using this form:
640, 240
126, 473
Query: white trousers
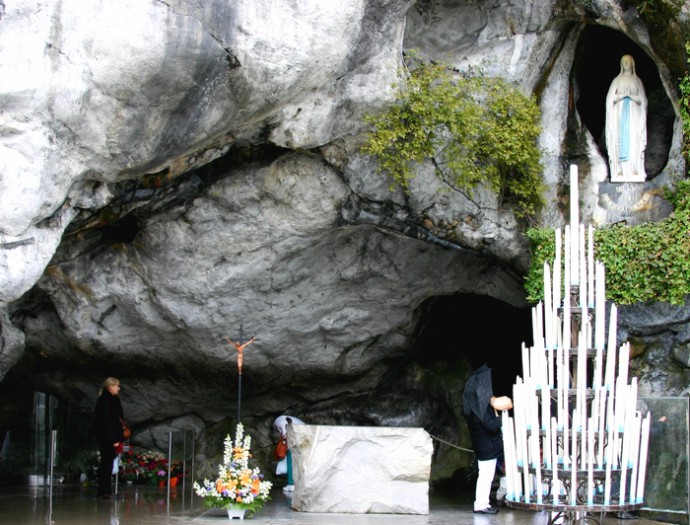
482, 491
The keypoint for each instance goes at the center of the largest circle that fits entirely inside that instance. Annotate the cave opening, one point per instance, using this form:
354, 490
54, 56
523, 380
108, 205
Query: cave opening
475, 329
597, 62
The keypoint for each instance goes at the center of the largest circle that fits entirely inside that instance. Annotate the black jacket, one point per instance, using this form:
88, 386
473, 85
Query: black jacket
483, 423
107, 421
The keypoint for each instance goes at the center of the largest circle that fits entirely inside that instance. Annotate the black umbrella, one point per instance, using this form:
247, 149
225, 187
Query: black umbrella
478, 392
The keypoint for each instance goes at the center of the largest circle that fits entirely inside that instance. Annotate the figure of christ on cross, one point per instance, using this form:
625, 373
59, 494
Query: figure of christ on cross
240, 351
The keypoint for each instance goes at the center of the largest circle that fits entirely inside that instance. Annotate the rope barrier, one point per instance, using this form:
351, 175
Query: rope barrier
451, 444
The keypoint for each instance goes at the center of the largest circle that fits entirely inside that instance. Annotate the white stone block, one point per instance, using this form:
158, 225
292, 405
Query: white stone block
360, 469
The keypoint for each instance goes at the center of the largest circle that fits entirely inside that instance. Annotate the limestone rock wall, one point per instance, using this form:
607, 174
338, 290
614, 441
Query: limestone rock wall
171, 172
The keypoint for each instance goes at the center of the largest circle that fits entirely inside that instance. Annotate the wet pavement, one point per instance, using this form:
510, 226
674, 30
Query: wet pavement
143, 505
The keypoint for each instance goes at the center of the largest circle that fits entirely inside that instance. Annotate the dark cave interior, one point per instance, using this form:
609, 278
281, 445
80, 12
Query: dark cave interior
476, 328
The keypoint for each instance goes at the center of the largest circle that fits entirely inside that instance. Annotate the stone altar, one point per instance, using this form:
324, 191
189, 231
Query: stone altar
360, 469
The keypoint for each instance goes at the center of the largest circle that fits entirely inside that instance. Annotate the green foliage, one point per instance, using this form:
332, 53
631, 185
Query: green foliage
475, 130
648, 262
685, 109
543, 248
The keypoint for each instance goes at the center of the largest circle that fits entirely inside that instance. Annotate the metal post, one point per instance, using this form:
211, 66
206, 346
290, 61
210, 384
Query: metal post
192, 471
53, 447
170, 434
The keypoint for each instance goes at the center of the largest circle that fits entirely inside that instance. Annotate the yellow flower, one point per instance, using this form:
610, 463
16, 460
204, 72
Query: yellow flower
245, 477
238, 452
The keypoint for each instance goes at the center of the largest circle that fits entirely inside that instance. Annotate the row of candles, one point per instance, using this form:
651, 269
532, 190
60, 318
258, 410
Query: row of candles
575, 421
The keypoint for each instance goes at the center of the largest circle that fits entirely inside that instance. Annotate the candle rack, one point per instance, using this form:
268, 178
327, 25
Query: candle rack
576, 445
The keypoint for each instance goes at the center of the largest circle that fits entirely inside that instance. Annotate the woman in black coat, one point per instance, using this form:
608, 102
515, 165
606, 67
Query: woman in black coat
107, 424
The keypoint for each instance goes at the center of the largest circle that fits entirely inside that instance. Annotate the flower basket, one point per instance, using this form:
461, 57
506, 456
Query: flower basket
237, 487
235, 511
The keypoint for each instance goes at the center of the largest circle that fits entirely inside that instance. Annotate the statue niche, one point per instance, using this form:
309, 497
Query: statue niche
626, 124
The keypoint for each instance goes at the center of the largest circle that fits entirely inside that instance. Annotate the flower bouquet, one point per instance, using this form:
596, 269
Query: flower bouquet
237, 485
130, 467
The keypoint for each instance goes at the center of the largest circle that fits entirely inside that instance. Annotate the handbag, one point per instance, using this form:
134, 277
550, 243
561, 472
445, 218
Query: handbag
126, 431
281, 449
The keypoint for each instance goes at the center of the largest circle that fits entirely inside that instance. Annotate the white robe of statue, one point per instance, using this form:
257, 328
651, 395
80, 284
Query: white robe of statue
626, 124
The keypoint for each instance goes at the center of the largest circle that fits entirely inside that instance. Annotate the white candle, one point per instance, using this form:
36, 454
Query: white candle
580, 388
560, 390
602, 427
574, 223
525, 361
566, 411
536, 458
644, 443
623, 361
567, 264
611, 348
583, 268
590, 265
556, 300
590, 463
573, 468
624, 460
600, 307
554, 451
610, 444
635, 456
525, 453
548, 309
546, 425
508, 451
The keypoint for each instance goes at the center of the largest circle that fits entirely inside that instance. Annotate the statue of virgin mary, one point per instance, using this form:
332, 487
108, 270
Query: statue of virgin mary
626, 124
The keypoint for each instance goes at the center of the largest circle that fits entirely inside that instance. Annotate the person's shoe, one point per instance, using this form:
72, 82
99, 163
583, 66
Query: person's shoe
626, 515
288, 489
487, 510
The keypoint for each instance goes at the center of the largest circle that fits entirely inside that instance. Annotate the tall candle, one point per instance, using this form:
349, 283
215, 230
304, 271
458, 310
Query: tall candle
525, 361
567, 265
525, 469
573, 468
560, 415
590, 266
590, 462
644, 443
635, 456
548, 309
600, 307
546, 425
583, 268
623, 361
536, 459
611, 349
509, 453
574, 224
609, 463
554, 450
558, 334
601, 427
624, 462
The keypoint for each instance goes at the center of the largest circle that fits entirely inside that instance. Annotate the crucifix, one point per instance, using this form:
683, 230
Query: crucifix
240, 346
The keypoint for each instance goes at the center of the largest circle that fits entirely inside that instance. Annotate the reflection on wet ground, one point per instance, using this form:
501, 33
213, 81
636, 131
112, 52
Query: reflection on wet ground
144, 505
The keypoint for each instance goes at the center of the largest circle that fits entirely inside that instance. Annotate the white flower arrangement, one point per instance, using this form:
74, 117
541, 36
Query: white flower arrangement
237, 484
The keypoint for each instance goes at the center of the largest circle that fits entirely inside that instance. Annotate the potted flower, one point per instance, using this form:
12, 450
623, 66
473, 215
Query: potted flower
130, 470
238, 488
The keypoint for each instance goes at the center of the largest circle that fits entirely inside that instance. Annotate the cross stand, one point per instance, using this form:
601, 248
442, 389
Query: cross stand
240, 346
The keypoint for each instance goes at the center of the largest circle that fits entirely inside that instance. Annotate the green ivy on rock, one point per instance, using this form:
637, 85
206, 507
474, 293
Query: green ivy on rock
475, 130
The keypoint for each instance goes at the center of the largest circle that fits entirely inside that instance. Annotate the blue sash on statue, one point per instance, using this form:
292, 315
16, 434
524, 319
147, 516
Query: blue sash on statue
624, 131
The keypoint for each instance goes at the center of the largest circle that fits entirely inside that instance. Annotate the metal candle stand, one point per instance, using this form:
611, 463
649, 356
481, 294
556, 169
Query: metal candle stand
590, 457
